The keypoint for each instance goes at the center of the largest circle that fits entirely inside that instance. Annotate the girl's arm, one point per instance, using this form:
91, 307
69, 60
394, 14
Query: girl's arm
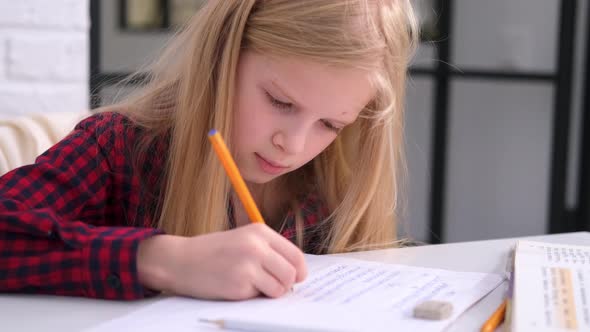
63, 220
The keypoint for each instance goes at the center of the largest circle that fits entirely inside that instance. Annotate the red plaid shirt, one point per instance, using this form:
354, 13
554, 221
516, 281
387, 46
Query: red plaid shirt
70, 224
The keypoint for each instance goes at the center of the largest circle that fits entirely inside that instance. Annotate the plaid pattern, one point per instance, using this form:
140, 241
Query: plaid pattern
70, 224
313, 212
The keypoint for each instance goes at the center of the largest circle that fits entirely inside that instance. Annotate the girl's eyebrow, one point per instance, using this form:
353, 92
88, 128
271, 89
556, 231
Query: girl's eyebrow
292, 101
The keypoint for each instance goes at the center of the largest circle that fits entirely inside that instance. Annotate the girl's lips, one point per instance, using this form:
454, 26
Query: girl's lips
269, 166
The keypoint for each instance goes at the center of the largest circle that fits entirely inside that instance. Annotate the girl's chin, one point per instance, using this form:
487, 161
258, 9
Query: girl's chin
260, 178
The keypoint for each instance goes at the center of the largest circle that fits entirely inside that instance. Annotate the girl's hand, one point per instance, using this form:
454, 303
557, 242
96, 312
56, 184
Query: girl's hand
233, 265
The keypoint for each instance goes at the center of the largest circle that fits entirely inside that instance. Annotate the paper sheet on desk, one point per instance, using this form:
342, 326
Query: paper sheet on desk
339, 293
551, 287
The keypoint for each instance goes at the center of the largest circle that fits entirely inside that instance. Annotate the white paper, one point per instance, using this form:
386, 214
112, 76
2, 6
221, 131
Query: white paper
339, 294
551, 287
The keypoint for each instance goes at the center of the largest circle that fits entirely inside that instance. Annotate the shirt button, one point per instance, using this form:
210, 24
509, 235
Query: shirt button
114, 281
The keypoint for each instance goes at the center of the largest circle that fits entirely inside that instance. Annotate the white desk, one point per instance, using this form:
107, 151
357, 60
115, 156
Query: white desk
31, 313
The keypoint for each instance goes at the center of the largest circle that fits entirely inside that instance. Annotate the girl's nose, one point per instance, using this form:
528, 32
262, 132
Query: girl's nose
290, 142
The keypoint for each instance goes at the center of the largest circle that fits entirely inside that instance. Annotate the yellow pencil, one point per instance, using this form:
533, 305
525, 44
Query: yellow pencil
495, 319
234, 176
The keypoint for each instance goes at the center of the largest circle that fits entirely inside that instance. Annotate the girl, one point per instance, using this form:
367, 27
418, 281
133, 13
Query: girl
309, 96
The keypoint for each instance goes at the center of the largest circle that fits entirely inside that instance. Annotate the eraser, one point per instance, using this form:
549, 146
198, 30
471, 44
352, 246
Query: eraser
433, 310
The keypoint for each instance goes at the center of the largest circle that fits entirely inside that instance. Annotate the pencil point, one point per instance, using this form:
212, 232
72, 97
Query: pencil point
212, 132
217, 322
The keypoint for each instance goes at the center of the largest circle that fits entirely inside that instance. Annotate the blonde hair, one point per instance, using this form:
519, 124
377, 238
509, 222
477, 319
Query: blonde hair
190, 89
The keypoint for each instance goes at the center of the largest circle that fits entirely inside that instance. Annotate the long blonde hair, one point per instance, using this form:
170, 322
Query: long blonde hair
190, 89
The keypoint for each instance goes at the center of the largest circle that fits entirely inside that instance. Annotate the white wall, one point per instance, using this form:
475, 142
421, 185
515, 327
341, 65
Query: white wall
44, 56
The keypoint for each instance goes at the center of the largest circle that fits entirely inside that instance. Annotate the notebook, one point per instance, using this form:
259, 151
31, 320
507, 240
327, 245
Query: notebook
339, 294
551, 290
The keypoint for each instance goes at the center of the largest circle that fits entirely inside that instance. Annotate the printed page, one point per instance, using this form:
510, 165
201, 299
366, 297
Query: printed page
340, 294
552, 287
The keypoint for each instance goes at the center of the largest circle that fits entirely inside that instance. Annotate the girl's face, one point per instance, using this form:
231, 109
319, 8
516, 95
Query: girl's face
287, 111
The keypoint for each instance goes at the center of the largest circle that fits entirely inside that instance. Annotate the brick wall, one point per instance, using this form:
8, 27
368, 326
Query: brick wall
44, 54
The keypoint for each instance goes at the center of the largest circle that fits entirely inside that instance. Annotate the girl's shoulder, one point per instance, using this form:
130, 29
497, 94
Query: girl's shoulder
111, 129
120, 139
105, 121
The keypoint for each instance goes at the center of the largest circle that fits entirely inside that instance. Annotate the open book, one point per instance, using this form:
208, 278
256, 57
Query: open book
339, 294
551, 287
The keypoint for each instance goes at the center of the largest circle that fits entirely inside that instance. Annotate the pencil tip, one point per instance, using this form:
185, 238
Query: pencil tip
211, 321
212, 132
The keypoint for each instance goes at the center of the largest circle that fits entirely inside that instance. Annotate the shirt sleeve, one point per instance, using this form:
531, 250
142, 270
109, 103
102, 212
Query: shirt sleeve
58, 232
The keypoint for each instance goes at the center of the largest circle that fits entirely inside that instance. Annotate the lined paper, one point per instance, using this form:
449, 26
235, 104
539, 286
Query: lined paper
339, 293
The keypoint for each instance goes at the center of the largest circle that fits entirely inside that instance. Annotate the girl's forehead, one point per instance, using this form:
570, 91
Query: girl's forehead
299, 69
313, 85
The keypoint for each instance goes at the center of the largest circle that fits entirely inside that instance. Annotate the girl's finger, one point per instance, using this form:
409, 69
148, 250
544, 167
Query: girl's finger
290, 252
268, 285
280, 268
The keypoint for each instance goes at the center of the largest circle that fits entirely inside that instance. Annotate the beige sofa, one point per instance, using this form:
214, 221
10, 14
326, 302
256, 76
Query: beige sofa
23, 138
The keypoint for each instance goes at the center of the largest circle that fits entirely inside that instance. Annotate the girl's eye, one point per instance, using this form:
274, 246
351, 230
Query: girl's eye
277, 103
330, 126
